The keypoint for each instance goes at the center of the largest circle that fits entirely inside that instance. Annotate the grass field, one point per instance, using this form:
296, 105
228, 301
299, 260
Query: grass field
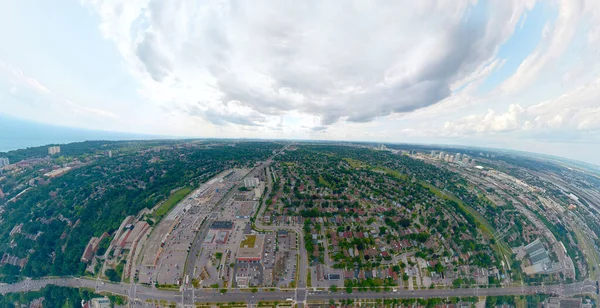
355, 163
391, 172
171, 201
248, 241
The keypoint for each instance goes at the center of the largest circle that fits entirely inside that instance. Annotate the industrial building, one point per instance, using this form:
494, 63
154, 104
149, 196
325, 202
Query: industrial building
251, 182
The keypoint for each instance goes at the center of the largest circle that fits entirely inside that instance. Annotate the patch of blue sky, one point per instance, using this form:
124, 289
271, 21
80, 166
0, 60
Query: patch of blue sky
524, 40
72, 44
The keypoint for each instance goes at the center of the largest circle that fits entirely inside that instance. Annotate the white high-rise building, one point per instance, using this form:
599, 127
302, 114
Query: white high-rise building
465, 160
441, 156
4, 162
432, 154
457, 157
53, 150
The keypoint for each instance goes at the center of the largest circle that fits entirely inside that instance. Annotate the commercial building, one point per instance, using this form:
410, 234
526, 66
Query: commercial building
222, 225
221, 237
53, 150
245, 209
101, 302
92, 247
441, 155
333, 277
251, 248
251, 182
4, 162
108, 153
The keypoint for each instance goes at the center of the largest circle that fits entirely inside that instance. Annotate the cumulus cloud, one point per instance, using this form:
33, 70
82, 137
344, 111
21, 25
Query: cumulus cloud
575, 112
339, 60
156, 63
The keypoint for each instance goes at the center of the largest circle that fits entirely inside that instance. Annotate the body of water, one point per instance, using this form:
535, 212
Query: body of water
19, 134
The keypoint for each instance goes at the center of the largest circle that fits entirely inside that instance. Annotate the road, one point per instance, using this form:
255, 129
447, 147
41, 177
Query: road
189, 292
144, 292
301, 293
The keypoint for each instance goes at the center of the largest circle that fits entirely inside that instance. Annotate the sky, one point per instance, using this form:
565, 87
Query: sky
519, 74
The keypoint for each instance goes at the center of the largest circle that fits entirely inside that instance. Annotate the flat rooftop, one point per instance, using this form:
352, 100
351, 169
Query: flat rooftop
251, 247
220, 224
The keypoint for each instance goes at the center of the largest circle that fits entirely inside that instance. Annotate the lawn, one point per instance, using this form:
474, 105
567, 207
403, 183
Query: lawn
355, 163
248, 241
173, 199
391, 172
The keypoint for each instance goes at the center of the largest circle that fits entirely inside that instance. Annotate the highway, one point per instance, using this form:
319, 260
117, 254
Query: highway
144, 292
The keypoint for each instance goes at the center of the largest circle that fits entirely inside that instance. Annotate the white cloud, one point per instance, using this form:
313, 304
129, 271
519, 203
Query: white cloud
576, 112
555, 41
352, 61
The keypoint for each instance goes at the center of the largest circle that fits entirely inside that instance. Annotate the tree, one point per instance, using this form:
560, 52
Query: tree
112, 275
333, 288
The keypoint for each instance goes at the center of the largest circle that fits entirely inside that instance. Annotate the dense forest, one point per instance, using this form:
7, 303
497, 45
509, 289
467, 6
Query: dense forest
87, 201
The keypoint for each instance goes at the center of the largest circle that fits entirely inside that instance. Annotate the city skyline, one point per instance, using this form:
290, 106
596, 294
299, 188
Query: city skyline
523, 77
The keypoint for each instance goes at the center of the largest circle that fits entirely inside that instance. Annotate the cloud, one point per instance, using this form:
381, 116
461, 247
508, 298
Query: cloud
574, 113
229, 114
372, 60
156, 63
555, 41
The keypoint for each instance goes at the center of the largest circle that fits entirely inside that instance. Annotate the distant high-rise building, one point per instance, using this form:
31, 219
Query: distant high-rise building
473, 162
432, 154
53, 150
446, 157
4, 162
465, 160
441, 156
457, 157
108, 153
